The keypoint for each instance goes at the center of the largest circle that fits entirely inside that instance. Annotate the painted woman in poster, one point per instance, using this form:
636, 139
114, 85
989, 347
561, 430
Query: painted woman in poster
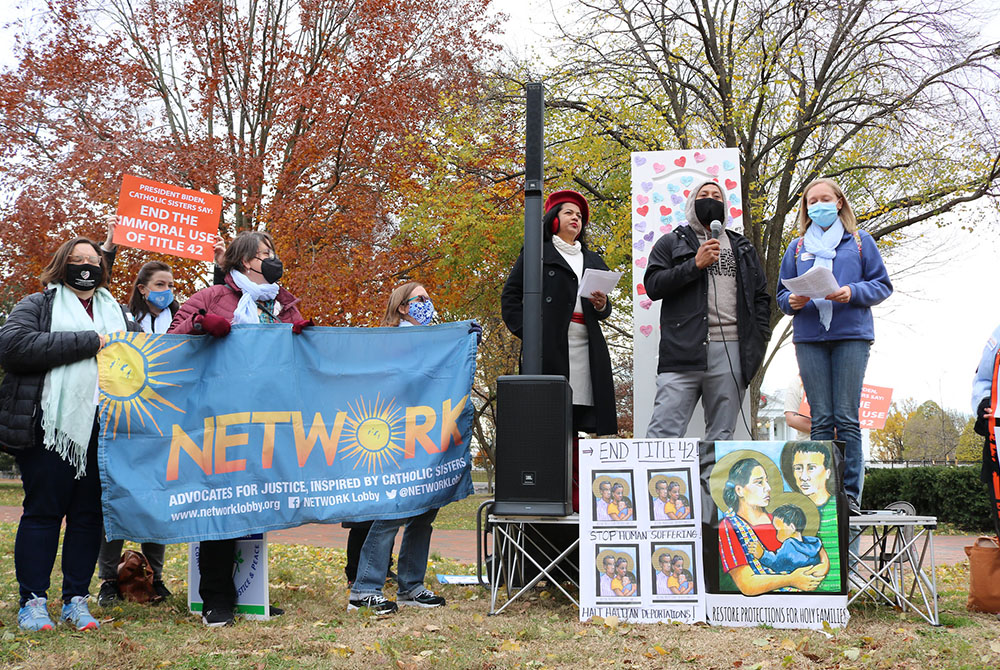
747, 530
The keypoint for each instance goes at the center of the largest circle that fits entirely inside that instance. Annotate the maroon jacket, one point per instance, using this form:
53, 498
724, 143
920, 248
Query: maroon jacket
222, 300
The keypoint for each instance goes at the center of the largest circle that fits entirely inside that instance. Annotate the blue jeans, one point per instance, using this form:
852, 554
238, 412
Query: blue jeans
413, 551
52, 493
832, 375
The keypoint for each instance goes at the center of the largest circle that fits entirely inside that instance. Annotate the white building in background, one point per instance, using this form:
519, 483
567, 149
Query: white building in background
771, 421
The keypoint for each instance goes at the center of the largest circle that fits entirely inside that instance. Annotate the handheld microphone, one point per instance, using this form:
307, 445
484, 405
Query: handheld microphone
716, 229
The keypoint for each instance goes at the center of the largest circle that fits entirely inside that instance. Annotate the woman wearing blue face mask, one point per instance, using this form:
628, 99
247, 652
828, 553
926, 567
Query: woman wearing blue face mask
369, 544
152, 305
833, 336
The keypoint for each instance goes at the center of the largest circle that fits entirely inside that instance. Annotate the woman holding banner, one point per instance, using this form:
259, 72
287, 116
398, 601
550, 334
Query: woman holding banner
49, 421
833, 335
152, 305
369, 544
250, 295
572, 342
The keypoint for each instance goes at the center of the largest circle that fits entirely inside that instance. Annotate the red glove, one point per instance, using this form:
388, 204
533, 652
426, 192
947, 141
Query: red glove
300, 324
212, 324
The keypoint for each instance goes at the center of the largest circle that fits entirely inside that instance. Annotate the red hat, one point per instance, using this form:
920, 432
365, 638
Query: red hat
560, 197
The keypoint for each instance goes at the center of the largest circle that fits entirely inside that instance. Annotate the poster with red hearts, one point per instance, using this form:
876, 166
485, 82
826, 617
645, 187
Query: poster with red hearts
167, 219
661, 184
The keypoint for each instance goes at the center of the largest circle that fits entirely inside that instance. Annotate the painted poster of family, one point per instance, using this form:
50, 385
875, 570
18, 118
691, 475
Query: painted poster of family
613, 497
777, 517
673, 570
617, 571
670, 496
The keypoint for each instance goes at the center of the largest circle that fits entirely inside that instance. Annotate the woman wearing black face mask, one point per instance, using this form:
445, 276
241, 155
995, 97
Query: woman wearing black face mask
714, 318
48, 420
250, 295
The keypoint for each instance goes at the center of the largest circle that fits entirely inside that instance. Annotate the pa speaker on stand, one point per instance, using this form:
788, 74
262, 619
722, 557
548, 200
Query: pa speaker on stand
534, 446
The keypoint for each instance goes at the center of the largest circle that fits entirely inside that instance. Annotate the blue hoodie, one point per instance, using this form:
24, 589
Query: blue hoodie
861, 269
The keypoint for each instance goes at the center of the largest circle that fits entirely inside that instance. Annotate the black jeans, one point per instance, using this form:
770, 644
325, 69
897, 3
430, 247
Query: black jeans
52, 493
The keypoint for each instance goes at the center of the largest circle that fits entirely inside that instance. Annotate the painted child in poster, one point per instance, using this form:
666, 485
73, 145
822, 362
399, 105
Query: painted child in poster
669, 492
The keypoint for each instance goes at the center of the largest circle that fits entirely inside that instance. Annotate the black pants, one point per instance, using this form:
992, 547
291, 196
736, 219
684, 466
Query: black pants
51, 493
215, 566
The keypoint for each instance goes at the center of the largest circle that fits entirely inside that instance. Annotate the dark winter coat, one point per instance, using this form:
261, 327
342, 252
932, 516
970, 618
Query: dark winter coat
27, 352
673, 278
559, 288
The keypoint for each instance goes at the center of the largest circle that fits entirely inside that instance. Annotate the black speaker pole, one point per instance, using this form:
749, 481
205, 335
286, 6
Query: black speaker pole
534, 151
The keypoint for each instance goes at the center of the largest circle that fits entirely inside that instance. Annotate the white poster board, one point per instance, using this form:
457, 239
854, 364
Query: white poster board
661, 183
249, 576
640, 549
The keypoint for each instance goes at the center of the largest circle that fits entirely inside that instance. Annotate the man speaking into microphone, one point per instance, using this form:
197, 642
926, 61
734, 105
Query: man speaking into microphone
714, 318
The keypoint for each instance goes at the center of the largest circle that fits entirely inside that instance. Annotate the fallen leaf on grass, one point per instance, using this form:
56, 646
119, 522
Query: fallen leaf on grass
510, 645
787, 644
995, 647
852, 654
762, 642
431, 628
477, 618
611, 621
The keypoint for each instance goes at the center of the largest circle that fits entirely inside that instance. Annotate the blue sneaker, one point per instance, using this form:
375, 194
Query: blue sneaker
34, 616
76, 614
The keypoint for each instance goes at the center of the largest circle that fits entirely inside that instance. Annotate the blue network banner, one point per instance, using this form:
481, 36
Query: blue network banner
206, 438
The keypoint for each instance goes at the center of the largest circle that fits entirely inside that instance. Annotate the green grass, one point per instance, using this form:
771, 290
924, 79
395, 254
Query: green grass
460, 515
541, 631
11, 493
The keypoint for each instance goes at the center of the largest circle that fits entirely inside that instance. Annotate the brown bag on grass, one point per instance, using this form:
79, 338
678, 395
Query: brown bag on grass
135, 577
984, 575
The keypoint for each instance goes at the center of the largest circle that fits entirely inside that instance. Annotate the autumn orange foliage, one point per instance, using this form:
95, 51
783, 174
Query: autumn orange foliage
300, 114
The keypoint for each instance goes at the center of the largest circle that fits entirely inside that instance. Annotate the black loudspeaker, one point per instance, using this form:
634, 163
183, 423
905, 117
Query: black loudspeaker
534, 443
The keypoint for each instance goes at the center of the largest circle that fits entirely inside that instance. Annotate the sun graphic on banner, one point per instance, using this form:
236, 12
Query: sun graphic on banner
126, 367
375, 432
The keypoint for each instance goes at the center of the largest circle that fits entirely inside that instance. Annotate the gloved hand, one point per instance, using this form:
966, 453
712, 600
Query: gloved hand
213, 324
300, 324
478, 330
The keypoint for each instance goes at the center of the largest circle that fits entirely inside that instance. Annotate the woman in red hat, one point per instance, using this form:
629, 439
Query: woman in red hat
572, 342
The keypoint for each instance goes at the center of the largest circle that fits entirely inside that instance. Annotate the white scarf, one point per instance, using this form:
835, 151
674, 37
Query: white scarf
157, 324
823, 245
565, 247
246, 310
69, 391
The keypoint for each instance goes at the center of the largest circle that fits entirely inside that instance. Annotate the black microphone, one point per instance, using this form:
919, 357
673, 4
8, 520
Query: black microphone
716, 229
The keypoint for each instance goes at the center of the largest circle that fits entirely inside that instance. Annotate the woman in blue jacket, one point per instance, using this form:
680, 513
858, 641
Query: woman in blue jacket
833, 336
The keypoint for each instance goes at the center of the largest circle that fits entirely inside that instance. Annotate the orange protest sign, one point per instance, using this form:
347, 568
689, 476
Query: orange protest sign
167, 219
873, 410
874, 406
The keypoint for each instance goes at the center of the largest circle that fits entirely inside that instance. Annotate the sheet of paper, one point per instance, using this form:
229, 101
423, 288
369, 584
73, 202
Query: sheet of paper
598, 280
816, 283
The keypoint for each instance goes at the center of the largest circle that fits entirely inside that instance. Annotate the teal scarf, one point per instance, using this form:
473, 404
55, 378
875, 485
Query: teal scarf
69, 394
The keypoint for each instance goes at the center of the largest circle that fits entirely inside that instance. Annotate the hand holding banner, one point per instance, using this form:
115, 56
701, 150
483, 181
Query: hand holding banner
167, 219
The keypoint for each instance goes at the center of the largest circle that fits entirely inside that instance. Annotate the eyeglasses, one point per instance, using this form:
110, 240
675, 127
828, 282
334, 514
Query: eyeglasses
78, 260
419, 298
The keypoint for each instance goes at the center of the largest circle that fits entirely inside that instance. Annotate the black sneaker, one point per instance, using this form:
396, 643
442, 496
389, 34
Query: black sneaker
422, 598
217, 616
378, 604
161, 591
853, 508
109, 594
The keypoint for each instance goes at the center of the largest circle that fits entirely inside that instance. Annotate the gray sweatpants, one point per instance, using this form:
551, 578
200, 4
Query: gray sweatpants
720, 388
111, 552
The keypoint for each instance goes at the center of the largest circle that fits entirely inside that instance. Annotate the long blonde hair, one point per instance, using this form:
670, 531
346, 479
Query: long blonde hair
399, 295
847, 216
